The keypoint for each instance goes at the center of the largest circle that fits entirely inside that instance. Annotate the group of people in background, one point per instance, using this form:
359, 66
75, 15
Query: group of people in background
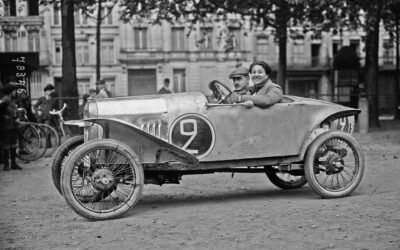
14, 96
9, 120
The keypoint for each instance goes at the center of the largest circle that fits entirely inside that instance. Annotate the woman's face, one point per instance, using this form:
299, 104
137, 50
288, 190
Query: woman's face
258, 75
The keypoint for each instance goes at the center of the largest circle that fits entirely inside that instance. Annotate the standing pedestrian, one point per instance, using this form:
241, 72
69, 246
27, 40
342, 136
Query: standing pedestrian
102, 91
45, 104
9, 126
165, 89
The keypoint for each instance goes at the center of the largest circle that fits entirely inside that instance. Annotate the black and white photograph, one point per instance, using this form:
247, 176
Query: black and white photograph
200, 124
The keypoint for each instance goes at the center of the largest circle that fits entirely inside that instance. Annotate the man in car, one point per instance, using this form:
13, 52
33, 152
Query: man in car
264, 93
240, 78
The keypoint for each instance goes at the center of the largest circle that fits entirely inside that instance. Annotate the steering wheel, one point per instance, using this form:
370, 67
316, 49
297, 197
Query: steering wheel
220, 90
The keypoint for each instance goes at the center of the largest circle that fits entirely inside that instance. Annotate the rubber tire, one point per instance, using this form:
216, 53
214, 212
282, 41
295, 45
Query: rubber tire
309, 164
76, 155
61, 155
54, 135
271, 174
31, 157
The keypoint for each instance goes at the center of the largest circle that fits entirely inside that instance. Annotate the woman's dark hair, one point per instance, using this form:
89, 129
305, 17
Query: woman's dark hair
263, 64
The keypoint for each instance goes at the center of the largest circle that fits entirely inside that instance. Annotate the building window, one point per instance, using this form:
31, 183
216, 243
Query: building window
9, 7
57, 14
10, 41
106, 16
107, 52
178, 39
388, 52
58, 53
140, 38
33, 40
82, 52
262, 45
234, 38
204, 39
33, 8
80, 18
298, 47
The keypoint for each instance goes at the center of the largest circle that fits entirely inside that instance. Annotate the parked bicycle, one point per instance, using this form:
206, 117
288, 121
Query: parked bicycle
61, 127
35, 139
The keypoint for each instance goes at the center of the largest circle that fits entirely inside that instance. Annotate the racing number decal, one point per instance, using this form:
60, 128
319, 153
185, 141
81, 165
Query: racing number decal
193, 133
345, 124
342, 123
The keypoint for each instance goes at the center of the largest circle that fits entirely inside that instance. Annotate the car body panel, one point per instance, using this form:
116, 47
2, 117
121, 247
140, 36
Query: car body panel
148, 148
215, 133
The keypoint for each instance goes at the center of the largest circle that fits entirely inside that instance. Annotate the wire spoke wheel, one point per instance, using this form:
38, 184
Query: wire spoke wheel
60, 158
334, 164
31, 142
52, 138
102, 179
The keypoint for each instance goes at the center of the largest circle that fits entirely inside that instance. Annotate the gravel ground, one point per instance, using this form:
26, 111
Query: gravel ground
215, 211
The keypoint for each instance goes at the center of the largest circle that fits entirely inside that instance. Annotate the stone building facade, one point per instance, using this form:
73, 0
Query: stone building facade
136, 57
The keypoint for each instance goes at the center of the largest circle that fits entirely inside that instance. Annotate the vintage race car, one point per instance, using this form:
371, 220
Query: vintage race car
132, 141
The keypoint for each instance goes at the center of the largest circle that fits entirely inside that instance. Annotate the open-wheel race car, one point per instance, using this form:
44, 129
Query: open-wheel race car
132, 141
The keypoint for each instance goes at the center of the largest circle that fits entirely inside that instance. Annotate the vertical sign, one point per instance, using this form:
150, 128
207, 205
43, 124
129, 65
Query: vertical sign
20, 69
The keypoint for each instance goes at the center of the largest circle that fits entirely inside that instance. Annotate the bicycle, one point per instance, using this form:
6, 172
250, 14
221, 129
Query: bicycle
35, 138
61, 127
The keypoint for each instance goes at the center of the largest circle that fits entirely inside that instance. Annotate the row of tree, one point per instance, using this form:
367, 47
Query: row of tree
280, 15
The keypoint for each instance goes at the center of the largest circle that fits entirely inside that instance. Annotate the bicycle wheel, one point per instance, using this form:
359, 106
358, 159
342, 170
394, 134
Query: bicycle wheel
31, 142
52, 139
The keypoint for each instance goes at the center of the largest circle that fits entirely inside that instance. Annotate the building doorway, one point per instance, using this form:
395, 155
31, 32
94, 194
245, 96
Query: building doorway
142, 82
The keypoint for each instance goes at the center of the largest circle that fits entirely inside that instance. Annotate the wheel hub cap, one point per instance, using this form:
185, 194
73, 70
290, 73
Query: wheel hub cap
103, 179
335, 165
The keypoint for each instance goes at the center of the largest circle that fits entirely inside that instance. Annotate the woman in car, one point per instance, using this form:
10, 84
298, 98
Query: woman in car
264, 92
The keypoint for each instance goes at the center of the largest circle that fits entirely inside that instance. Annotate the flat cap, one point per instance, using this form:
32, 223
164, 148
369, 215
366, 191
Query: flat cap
241, 71
48, 87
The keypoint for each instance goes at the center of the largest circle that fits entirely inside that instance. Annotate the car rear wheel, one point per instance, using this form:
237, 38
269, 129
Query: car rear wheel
285, 180
334, 164
60, 157
102, 179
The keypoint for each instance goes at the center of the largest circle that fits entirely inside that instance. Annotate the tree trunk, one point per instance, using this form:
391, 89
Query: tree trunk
397, 73
69, 88
371, 63
281, 30
98, 42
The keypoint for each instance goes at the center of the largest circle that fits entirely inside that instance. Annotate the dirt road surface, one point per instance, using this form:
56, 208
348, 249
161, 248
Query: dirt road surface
214, 211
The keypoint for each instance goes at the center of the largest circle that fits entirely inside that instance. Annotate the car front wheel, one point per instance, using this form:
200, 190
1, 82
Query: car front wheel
102, 179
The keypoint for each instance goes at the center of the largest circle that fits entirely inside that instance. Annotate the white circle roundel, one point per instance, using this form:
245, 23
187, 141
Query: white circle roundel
192, 133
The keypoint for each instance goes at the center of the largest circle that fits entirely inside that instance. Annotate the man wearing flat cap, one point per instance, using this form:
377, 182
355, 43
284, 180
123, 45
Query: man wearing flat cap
240, 78
45, 104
